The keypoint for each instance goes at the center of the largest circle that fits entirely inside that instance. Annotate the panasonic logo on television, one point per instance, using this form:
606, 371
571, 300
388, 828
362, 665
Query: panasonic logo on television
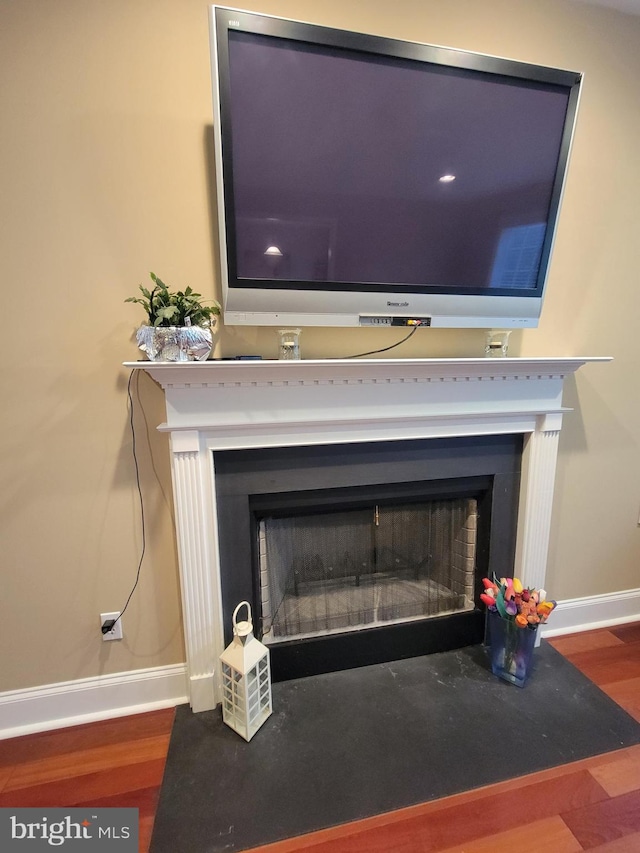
397, 304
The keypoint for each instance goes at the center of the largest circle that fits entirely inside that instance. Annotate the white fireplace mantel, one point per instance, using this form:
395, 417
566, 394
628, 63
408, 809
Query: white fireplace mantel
232, 405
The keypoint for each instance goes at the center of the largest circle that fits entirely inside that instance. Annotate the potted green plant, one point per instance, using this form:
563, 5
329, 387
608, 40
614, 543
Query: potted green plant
178, 326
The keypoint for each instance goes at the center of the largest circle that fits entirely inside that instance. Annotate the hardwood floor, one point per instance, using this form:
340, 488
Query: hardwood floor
592, 804
116, 762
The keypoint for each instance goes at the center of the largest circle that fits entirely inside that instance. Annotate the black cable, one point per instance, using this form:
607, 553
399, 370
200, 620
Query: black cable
135, 462
137, 469
384, 349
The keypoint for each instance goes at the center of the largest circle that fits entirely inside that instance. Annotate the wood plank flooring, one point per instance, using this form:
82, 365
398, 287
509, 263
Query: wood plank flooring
592, 804
112, 763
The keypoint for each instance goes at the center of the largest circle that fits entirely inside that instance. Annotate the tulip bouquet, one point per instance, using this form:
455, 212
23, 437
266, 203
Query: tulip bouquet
514, 613
527, 608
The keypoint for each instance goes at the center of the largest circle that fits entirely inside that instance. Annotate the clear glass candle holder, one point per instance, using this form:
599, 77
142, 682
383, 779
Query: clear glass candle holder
289, 339
496, 344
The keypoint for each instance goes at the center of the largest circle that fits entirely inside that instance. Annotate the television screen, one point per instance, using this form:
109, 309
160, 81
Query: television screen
359, 173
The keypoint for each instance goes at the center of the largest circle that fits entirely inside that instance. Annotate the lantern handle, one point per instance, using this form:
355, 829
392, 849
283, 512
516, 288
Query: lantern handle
248, 624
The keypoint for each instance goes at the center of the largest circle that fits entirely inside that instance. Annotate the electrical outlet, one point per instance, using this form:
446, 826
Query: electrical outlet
116, 632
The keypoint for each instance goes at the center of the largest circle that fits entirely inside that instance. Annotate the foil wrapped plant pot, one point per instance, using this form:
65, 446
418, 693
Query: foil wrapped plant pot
510, 649
175, 343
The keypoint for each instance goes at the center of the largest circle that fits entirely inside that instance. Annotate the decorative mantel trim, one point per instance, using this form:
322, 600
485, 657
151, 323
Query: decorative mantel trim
231, 405
333, 371
231, 396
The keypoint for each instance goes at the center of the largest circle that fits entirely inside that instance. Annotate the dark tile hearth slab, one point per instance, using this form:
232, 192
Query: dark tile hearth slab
351, 744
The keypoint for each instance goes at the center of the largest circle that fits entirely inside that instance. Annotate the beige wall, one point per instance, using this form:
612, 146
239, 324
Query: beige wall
105, 127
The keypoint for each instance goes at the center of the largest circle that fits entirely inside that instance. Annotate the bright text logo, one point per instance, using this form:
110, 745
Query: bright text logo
71, 829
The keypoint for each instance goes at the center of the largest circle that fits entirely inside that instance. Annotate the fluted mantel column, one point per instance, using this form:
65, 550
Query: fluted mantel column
538, 480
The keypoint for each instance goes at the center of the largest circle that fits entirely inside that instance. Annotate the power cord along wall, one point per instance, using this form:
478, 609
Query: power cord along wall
108, 624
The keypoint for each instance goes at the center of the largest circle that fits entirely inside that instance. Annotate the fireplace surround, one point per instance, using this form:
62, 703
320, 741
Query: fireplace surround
233, 410
320, 490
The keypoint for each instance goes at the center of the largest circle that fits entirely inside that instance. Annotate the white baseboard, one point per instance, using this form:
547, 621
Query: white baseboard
596, 611
71, 703
86, 700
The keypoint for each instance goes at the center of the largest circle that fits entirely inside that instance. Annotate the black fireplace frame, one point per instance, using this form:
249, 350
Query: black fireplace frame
251, 483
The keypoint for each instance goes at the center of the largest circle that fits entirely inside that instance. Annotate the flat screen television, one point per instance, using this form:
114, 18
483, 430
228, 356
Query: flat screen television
365, 180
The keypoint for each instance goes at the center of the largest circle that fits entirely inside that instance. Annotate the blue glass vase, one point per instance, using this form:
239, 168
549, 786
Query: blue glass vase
511, 649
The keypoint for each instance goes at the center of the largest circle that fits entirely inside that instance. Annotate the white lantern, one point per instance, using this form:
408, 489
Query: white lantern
246, 679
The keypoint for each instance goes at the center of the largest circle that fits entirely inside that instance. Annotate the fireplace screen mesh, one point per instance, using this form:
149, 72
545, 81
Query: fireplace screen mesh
339, 571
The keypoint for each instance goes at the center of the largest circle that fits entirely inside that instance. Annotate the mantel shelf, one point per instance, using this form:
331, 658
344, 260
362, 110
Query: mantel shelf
340, 370
420, 396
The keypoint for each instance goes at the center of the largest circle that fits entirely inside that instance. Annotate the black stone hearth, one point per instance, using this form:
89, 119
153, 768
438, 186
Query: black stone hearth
347, 745
252, 483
